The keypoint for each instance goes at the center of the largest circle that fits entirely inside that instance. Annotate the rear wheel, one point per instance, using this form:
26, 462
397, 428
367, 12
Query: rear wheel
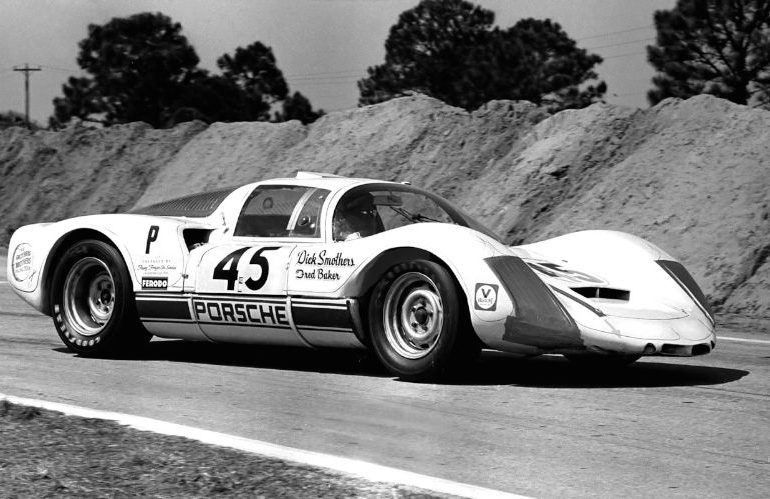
93, 301
417, 329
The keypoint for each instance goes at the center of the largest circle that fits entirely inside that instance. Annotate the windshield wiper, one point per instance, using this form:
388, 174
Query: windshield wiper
402, 212
419, 217
413, 217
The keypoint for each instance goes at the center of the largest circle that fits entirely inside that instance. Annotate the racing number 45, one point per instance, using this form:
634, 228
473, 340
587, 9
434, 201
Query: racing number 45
227, 269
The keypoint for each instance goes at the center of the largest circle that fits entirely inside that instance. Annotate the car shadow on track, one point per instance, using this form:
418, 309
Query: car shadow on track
337, 361
492, 368
554, 371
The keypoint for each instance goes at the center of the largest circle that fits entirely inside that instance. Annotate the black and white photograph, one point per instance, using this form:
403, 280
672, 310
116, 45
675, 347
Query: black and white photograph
384, 248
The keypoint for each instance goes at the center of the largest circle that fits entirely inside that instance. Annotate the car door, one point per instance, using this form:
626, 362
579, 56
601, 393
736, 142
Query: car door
240, 291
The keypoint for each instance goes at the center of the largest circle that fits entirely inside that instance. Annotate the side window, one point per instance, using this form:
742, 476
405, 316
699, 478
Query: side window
356, 216
282, 211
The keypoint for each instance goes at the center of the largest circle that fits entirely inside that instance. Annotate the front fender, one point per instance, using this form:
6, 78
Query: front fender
350, 269
657, 285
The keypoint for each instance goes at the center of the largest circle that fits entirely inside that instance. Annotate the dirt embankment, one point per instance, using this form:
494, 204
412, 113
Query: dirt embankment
692, 176
47, 176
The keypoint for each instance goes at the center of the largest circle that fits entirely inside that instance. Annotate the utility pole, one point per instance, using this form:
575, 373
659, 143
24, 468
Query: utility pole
26, 70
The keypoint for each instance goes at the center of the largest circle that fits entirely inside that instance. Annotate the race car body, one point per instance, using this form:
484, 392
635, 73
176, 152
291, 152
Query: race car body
327, 261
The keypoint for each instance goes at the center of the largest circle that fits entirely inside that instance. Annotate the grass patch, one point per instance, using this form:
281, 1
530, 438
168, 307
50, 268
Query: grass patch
47, 454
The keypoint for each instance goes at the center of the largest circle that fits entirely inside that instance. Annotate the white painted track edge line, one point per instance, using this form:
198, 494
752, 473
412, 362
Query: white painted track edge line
742, 340
348, 466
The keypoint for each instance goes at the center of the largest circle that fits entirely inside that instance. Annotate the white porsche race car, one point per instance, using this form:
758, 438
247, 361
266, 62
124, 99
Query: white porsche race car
327, 261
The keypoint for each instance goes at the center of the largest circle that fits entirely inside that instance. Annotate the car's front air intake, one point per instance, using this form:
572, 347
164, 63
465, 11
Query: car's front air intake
604, 293
685, 350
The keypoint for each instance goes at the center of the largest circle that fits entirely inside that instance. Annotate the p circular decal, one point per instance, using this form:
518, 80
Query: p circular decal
486, 297
22, 262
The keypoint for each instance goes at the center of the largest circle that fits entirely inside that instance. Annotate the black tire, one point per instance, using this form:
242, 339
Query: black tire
599, 361
416, 325
93, 304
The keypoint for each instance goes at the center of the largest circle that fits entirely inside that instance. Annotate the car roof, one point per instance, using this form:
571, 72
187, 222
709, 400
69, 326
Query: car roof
321, 180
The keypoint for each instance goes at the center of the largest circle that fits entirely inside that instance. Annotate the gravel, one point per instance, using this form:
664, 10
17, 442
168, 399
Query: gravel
47, 454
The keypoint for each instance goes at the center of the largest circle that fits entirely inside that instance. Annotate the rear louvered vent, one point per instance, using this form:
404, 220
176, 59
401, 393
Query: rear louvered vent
604, 293
196, 206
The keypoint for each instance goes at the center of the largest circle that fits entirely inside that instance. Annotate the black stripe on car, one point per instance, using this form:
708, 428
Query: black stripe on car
679, 274
238, 324
319, 316
163, 309
246, 311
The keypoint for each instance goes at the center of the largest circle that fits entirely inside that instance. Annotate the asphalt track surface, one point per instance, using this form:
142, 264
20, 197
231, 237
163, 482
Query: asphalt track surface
674, 427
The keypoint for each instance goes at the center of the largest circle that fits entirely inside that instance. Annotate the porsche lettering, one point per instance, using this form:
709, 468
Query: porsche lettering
240, 312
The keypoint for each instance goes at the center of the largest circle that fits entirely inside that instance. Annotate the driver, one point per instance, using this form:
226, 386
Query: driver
356, 215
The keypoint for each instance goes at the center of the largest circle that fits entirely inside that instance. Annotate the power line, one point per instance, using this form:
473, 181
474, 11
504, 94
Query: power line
621, 43
627, 54
355, 73
326, 78
324, 83
345, 76
600, 35
343, 72
358, 73
65, 70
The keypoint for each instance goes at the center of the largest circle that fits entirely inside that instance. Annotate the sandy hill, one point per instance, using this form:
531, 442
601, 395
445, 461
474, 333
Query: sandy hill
692, 176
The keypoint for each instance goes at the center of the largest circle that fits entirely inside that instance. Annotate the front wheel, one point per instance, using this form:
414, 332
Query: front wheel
416, 323
93, 301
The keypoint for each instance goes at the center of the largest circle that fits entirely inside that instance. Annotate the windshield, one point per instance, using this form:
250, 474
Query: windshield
374, 208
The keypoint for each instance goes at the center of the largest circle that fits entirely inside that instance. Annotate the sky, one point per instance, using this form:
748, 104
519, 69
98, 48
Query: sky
322, 46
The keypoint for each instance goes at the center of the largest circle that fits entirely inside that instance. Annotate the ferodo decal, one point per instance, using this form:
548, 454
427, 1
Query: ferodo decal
227, 268
321, 266
154, 282
240, 313
486, 297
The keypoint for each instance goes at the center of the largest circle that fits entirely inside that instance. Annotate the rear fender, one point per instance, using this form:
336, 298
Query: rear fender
150, 246
47, 242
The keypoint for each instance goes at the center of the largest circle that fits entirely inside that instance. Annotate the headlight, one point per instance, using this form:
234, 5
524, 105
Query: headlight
22, 262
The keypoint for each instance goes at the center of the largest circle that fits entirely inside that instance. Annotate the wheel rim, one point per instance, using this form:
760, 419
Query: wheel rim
89, 296
413, 315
